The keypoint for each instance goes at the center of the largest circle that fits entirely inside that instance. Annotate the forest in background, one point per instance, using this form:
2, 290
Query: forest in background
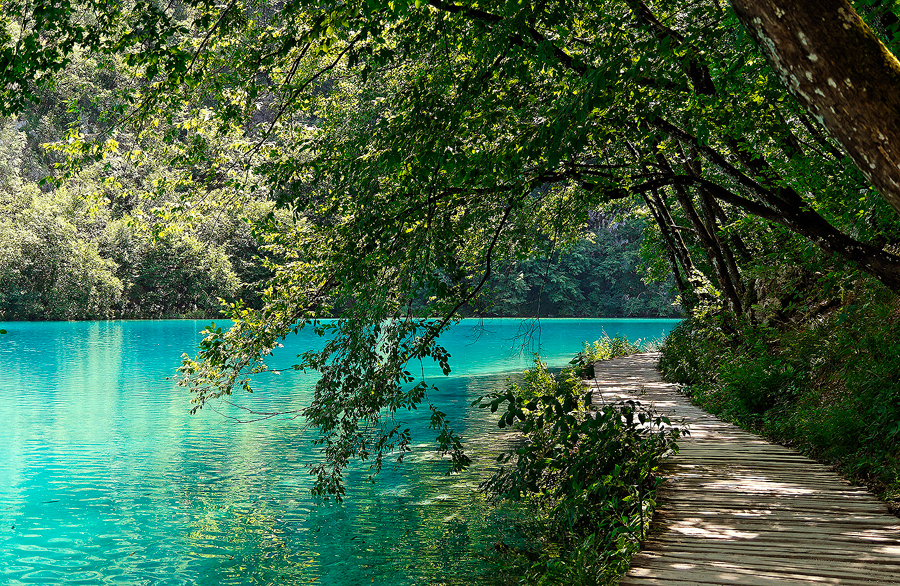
129, 238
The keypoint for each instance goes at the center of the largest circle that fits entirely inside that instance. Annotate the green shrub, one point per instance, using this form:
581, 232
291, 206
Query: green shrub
603, 349
592, 471
759, 381
690, 350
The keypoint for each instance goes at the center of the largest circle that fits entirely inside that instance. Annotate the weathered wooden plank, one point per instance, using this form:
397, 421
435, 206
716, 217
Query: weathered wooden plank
713, 527
765, 551
769, 503
738, 572
735, 573
738, 510
694, 581
782, 522
709, 512
799, 556
755, 565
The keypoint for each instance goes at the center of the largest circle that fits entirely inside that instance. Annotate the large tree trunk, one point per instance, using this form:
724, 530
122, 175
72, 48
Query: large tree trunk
841, 73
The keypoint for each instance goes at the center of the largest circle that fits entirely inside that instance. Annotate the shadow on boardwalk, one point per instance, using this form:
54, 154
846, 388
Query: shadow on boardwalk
736, 509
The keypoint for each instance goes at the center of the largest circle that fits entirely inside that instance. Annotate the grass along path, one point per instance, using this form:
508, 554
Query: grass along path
736, 509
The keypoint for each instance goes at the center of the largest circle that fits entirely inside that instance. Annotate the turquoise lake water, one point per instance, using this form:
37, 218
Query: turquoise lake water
105, 478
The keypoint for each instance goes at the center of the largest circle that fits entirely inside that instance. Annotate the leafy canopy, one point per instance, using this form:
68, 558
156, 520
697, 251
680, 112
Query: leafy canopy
421, 145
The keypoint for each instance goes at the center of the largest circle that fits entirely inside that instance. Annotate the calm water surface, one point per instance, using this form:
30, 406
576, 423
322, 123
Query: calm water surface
105, 478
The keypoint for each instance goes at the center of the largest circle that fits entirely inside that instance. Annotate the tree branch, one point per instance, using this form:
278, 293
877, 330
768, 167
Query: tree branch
569, 61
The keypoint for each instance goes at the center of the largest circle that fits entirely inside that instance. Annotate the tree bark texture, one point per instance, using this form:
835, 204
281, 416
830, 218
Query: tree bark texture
841, 73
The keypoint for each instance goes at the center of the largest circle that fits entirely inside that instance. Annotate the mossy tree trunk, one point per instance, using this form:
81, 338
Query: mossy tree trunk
839, 70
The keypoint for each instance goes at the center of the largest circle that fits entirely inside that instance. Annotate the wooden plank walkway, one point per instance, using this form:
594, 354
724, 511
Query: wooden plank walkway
736, 509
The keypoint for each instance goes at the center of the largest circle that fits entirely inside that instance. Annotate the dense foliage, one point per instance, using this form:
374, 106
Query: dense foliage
599, 276
424, 153
589, 471
139, 236
69, 253
72, 253
119, 238
605, 348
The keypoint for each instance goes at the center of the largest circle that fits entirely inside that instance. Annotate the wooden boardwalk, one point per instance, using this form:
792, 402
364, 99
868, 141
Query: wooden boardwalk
739, 510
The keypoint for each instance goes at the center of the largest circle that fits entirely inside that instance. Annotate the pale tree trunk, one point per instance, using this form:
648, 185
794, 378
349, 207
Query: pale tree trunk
847, 79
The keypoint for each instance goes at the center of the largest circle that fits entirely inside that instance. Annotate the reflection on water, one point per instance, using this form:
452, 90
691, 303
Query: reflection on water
106, 479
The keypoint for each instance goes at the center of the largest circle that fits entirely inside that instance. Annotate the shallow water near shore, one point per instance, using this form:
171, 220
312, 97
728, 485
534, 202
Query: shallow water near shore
105, 478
